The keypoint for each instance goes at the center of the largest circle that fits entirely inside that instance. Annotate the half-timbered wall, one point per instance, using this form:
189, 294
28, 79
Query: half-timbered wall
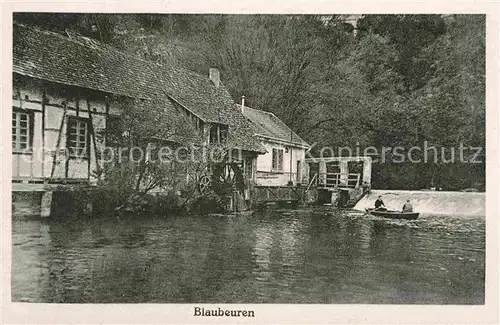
53, 107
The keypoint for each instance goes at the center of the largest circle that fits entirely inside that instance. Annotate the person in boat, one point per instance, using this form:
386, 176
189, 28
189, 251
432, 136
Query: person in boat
407, 207
379, 204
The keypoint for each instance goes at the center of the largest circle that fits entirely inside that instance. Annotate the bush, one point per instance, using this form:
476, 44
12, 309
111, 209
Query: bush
110, 201
147, 205
170, 203
104, 201
206, 204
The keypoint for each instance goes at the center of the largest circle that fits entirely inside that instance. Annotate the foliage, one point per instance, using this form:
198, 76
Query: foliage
138, 136
156, 151
168, 204
397, 80
208, 203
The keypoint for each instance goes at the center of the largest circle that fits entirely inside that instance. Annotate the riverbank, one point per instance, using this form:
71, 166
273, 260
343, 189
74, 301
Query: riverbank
90, 201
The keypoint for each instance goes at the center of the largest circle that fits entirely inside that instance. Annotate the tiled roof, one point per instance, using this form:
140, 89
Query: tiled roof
268, 125
86, 63
177, 129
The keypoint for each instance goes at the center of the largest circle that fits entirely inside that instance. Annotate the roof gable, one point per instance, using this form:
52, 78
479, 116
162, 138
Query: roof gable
268, 125
83, 62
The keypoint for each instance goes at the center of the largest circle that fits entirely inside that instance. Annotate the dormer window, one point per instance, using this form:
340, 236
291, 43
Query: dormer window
218, 133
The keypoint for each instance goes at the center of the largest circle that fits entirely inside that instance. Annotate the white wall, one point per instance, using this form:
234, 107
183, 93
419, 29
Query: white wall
267, 177
41, 162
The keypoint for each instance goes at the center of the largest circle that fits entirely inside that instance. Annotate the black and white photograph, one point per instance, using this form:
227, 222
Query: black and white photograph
227, 161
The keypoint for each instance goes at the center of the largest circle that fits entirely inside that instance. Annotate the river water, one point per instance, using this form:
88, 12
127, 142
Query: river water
315, 255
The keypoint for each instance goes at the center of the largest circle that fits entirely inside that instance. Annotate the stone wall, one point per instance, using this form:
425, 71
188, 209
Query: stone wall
26, 204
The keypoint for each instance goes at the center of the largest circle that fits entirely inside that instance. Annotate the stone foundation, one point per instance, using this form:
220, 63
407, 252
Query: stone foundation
26, 204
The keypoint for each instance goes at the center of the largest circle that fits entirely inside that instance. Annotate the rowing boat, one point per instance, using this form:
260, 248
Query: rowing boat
393, 214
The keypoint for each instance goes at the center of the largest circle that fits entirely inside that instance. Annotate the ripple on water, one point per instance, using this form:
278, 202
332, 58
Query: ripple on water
288, 256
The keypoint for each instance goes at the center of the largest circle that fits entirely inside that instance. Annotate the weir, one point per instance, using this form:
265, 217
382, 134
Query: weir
429, 202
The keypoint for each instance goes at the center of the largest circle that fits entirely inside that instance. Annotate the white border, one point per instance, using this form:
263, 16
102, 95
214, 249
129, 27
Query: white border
265, 313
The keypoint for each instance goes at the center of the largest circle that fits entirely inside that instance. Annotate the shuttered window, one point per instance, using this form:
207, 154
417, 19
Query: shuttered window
22, 125
78, 137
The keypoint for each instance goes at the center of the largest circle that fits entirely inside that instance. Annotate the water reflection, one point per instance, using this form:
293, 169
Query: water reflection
302, 256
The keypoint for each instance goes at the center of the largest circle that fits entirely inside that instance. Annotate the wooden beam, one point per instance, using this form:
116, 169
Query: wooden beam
93, 137
336, 159
54, 160
77, 100
69, 108
44, 96
106, 134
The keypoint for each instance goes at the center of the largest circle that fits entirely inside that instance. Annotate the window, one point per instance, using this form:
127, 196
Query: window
223, 132
248, 167
78, 137
22, 127
277, 160
214, 138
218, 133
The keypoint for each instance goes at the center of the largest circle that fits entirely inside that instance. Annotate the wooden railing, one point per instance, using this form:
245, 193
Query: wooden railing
314, 181
273, 174
277, 194
350, 180
281, 175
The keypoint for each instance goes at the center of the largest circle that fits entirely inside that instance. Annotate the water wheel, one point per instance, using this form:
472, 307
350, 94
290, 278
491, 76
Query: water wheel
227, 177
204, 184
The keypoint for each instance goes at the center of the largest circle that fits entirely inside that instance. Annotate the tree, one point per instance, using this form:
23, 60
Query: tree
142, 130
400, 81
454, 97
409, 34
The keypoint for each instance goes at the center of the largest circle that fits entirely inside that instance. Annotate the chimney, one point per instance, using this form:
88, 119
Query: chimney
214, 75
242, 103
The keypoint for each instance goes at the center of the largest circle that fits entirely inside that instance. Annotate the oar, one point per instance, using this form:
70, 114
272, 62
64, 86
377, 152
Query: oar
370, 211
387, 209
376, 209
